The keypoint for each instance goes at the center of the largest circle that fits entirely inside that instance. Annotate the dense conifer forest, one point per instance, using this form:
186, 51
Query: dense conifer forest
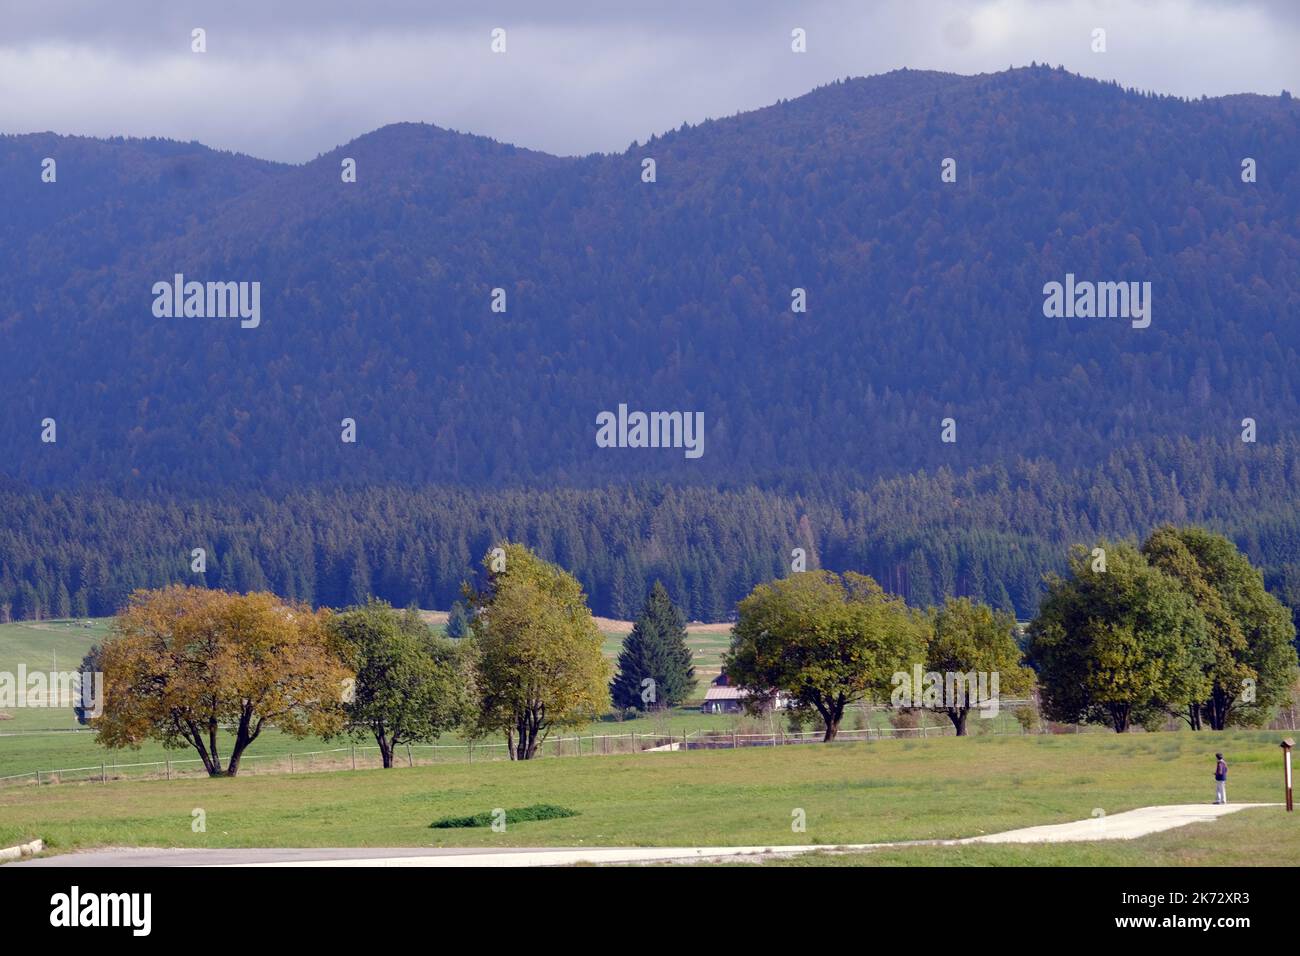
989, 533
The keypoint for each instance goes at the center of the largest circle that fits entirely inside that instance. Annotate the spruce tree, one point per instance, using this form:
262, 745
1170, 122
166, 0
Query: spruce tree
458, 621
656, 649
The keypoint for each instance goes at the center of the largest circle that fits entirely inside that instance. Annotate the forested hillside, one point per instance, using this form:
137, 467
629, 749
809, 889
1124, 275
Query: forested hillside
924, 298
991, 532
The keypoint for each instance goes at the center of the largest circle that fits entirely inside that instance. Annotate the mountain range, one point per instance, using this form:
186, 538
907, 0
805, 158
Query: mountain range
924, 297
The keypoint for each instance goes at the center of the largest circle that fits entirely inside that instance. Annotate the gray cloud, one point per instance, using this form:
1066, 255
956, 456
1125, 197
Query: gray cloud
288, 80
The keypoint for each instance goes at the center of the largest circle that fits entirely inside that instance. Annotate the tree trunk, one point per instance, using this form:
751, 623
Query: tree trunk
215, 769
958, 717
1119, 715
386, 749
244, 736
832, 714
190, 731
528, 725
1217, 709
241, 742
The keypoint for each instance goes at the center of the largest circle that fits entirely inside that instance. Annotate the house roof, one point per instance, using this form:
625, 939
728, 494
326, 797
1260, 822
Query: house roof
725, 693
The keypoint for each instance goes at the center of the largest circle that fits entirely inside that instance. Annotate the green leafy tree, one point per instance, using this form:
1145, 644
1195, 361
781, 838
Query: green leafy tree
1118, 645
968, 639
539, 664
1252, 664
655, 652
825, 640
410, 686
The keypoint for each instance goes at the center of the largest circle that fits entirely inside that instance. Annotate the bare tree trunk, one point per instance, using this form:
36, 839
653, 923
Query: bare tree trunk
194, 736
244, 736
387, 742
1217, 709
1120, 716
958, 717
213, 729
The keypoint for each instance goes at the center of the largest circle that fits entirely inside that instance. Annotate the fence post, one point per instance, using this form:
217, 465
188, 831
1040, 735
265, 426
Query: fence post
38, 778
410, 761
354, 756
103, 774
291, 763
471, 751
169, 768
733, 740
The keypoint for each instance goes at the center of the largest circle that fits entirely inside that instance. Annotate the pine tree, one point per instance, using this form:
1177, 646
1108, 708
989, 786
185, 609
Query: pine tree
655, 650
457, 621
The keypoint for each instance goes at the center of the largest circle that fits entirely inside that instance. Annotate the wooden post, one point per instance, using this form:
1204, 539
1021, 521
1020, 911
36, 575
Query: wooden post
354, 756
169, 768
1287, 744
291, 763
410, 760
103, 774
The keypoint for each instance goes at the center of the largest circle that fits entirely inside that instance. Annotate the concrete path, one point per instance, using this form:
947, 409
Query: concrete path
1120, 826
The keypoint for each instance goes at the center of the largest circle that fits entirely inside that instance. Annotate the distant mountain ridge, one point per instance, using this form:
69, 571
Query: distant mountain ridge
924, 297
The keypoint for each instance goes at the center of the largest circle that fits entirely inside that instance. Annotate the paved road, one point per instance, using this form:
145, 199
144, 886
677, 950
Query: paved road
1119, 826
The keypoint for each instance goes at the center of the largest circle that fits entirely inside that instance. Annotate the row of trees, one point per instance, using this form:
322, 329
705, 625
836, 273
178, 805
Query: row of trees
188, 664
828, 641
1181, 625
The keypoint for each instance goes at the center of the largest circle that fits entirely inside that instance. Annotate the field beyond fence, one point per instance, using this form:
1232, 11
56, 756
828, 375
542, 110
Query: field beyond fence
368, 757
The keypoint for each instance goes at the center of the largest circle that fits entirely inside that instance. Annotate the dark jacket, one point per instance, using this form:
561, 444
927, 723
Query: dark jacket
1221, 770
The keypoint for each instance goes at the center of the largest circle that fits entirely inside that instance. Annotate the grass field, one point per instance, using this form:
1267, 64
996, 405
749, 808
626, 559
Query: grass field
30, 751
851, 793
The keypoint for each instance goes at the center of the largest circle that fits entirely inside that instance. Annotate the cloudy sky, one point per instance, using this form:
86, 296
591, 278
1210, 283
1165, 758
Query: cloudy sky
288, 79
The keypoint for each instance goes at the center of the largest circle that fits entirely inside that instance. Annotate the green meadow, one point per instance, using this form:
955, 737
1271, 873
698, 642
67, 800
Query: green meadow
885, 790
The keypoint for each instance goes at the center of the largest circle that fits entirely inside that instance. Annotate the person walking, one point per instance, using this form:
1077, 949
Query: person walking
1220, 780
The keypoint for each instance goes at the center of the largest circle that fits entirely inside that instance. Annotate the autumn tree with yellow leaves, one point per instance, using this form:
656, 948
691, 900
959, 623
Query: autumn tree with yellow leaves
188, 663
